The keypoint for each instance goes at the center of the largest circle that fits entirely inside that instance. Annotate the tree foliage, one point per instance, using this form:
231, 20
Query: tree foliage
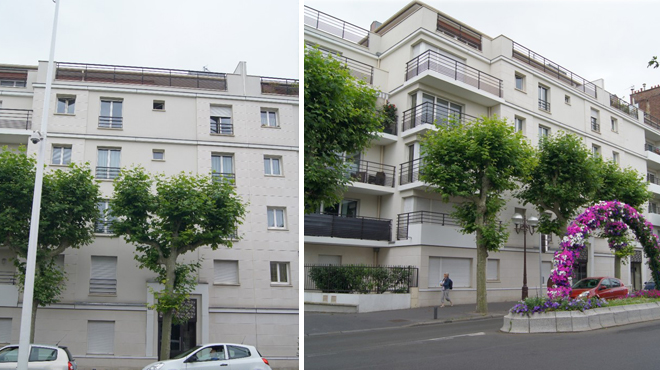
341, 116
165, 217
68, 213
477, 162
653, 62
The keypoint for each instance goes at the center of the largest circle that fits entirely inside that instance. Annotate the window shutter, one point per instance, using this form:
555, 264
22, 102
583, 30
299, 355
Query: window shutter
491, 269
101, 337
103, 275
5, 330
225, 272
459, 270
217, 111
435, 266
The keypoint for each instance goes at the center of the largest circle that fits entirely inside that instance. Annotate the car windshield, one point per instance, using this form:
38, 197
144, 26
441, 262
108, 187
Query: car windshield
586, 284
186, 353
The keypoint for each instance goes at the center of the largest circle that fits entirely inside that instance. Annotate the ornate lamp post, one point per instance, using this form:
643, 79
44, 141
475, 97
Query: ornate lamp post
524, 225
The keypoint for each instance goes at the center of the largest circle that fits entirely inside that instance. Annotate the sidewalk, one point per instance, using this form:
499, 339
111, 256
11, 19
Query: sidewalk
326, 323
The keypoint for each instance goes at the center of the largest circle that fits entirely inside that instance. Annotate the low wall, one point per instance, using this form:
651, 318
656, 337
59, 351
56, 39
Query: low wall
575, 321
362, 302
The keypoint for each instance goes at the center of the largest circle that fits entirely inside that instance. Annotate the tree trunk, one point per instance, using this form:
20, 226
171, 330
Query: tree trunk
617, 267
482, 256
166, 332
35, 305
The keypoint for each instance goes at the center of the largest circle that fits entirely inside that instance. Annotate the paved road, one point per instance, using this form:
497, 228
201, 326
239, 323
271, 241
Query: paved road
478, 344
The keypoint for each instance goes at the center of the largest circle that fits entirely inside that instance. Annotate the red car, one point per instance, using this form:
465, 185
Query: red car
600, 287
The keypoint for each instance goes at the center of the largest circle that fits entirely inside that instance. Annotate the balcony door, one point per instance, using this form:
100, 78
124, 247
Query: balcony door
435, 109
346, 208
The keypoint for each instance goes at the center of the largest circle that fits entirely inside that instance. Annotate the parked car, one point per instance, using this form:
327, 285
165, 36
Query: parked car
211, 356
600, 287
42, 357
649, 285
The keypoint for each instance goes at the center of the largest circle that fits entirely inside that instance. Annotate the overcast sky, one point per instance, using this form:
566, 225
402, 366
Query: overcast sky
172, 34
613, 40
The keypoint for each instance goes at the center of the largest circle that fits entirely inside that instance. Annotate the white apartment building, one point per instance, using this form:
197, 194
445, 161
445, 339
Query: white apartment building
233, 125
430, 66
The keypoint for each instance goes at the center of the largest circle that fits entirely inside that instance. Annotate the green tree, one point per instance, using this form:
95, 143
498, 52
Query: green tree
166, 217
68, 214
653, 62
477, 162
341, 116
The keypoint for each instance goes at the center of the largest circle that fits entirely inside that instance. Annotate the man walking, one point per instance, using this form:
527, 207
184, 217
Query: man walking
446, 285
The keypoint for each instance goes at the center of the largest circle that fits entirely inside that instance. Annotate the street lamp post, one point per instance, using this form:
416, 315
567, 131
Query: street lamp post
524, 225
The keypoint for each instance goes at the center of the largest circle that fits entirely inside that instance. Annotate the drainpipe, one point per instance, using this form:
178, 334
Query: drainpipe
376, 250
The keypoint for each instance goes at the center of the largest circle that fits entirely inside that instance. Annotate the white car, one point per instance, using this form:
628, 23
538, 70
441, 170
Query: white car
42, 357
210, 356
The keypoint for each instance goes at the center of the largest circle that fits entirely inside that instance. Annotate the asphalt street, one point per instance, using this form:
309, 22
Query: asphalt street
478, 344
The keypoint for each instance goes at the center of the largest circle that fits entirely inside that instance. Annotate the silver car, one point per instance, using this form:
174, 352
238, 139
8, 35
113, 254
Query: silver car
211, 356
42, 357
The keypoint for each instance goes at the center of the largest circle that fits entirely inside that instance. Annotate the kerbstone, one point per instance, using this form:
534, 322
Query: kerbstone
594, 320
634, 313
606, 317
517, 324
620, 315
564, 321
543, 323
580, 321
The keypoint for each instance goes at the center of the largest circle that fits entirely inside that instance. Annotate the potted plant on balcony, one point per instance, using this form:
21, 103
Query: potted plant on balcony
389, 114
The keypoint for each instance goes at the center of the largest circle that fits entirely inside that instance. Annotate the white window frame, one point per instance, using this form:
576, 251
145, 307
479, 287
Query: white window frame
544, 96
614, 124
268, 166
222, 172
544, 131
616, 157
279, 267
594, 120
62, 149
567, 99
272, 215
153, 105
153, 155
519, 77
115, 120
221, 267
109, 174
221, 117
12, 83
69, 102
595, 150
519, 124
102, 226
271, 118
100, 337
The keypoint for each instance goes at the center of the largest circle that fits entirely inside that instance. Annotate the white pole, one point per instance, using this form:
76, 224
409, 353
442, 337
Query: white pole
540, 264
28, 292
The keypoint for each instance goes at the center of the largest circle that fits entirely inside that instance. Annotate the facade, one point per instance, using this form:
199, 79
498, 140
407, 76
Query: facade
432, 66
233, 125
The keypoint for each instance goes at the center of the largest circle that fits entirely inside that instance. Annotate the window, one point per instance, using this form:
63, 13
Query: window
543, 132
12, 83
221, 120
279, 272
518, 124
66, 104
595, 126
101, 337
276, 218
105, 220
61, 155
238, 352
158, 155
520, 82
493, 270
213, 353
225, 272
567, 99
159, 105
272, 166
595, 150
222, 167
615, 125
438, 110
108, 163
459, 270
5, 330
615, 157
544, 101
347, 208
103, 275
111, 114
653, 207
269, 118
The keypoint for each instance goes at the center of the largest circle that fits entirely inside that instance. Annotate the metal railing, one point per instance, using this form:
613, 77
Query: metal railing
16, 118
361, 278
366, 228
103, 226
652, 121
431, 60
553, 69
335, 26
111, 122
279, 86
102, 286
224, 176
8, 277
594, 124
222, 128
544, 105
404, 220
460, 32
429, 113
107, 173
375, 173
141, 76
652, 178
410, 171
623, 106
359, 70
651, 148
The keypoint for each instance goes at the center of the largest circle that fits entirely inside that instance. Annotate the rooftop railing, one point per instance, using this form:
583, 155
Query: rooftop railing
431, 60
422, 217
366, 228
140, 76
623, 106
372, 173
553, 69
460, 32
359, 70
279, 86
429, 113
335, 26
16, 118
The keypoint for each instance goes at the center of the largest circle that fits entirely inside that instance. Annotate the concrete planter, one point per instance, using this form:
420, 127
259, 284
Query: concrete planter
575, 321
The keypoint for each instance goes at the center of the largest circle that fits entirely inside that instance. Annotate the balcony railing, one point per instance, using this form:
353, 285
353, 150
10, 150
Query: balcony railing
651, 148
421, 217
410, 171
103, 226
623, 106
652, 178
361, 278
225, 176
652, 121
335, 226
431, 60
372, 173
544, 105
222, 128
279, 86
141, 76
336, 27
111, 122
594, 124
459, 32
103, 286
429, 113
16, 118
107, 173
359, 70
553, 69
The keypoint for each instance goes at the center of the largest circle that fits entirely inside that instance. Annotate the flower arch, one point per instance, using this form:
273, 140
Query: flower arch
615, 219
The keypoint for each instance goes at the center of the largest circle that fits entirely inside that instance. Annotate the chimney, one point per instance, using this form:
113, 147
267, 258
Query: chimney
375, 25
643, 86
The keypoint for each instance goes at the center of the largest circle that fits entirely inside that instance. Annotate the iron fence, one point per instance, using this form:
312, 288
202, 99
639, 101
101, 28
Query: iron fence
623, 106
107, 173
651, 178
429, 113
422, 217
224, 176
361, 278
652, 121
410, 171
111, 122
16, 118
594, 124
336, 226
359, 70
431, 60
458, 31
335, 26
279, 86
544, 105
372, 173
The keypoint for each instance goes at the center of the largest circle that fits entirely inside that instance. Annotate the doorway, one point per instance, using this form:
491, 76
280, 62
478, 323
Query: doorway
184, 335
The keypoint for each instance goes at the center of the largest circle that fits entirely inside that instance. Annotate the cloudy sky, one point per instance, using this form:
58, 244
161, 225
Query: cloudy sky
157, 33
613, 40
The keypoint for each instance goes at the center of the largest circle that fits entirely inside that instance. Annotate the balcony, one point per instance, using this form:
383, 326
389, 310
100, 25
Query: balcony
141, 76
486, 86
334, 226
652, 121
544, 105
336, 27
553, 69
107, 173
431, 228
111, 122
359, 70
653, 155
594, 124
372, 177
624, 107
13, 77
429, 113
410, 171
654, 183
20, 119
459, 32
279, 86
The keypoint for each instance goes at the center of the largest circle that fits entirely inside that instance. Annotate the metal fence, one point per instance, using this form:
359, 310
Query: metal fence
421, 217
458, 31
359, 70
16, 118
279, 86
335, 26
430, 113
361, 278
623, 106
410, 171
652, 121
372, 173
335, 226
